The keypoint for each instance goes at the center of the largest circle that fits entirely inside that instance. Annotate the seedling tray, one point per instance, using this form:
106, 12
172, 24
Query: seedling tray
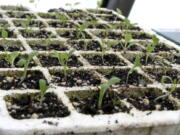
70, 105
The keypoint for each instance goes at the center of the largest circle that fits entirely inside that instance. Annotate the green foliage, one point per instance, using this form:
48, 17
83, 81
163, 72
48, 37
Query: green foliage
43, 88
27, 22
173, 87
104, 87
127, 41
137, 63
151, 47
25, 62
4, 32
118, 11
99, 3
62, 18
63, 59
80, 30
11, 58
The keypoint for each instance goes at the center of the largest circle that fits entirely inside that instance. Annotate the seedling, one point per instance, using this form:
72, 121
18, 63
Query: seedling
11, 58
85, 44
25, 62
48, 40
151, 47
172, 89
43, 88
27, 22
63, 59
104, 87
137, 63
118, 11
126, 24
99, 3
80, 30
4, 32
127, 42
62, 18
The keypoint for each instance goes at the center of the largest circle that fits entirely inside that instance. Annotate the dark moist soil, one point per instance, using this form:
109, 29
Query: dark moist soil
175, 59
27, 106
110, 18
118, 47
147, 102
9, 35
42, 46
157, 74
176, 93
11, 45
140, 35
109, 35
81, 16
8, 82
81, 45
49, 15
36, 34
57, 10
76, 78
122, 27
60, 24
135, 79
108, 60
111, 104
33, 23
96, 26
152, 60
20, 15
48, 61
74, 35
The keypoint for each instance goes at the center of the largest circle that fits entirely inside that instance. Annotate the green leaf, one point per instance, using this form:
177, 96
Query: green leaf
118, 11
155, 40
42, 85
137, 62
128, 37
32, 54
21, 62
83, 27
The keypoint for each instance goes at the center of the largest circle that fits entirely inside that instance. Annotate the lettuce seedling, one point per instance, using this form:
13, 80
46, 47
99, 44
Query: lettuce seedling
126, 24
11, 58
172, 89
137, 63
104, 87
62, 18
151, 47
4, 32
25, 62
43, 88
127, 41
80, 30
63, 59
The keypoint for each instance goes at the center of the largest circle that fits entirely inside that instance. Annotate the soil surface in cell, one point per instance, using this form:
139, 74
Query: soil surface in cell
48, 61
140, 35
121, 47
157, 74
106, 60
111, 104
110, 35
75, 78
10, 33
74, 34
95, 25
151, 60
20, 15
36, 34
9, 45
32, 23
31, 81
81, 16
28, 106
86, 45
175, 59
148, 102
176, 93
60, 24
110, 18
134, 78
162, 47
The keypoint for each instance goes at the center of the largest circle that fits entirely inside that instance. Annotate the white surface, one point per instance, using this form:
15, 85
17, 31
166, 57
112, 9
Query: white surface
147, 13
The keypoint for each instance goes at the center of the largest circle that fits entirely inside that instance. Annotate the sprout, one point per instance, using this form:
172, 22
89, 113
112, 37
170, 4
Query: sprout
104, 87
127, 42
62, 18
27, 22
151, 47
80, 30
172, 89
25, 62
118, 11
63, 59
137, 63
11, 58
4, 32
126, 24
43, 88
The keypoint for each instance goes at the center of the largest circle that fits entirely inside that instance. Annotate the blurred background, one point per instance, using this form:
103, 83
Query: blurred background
148, 13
